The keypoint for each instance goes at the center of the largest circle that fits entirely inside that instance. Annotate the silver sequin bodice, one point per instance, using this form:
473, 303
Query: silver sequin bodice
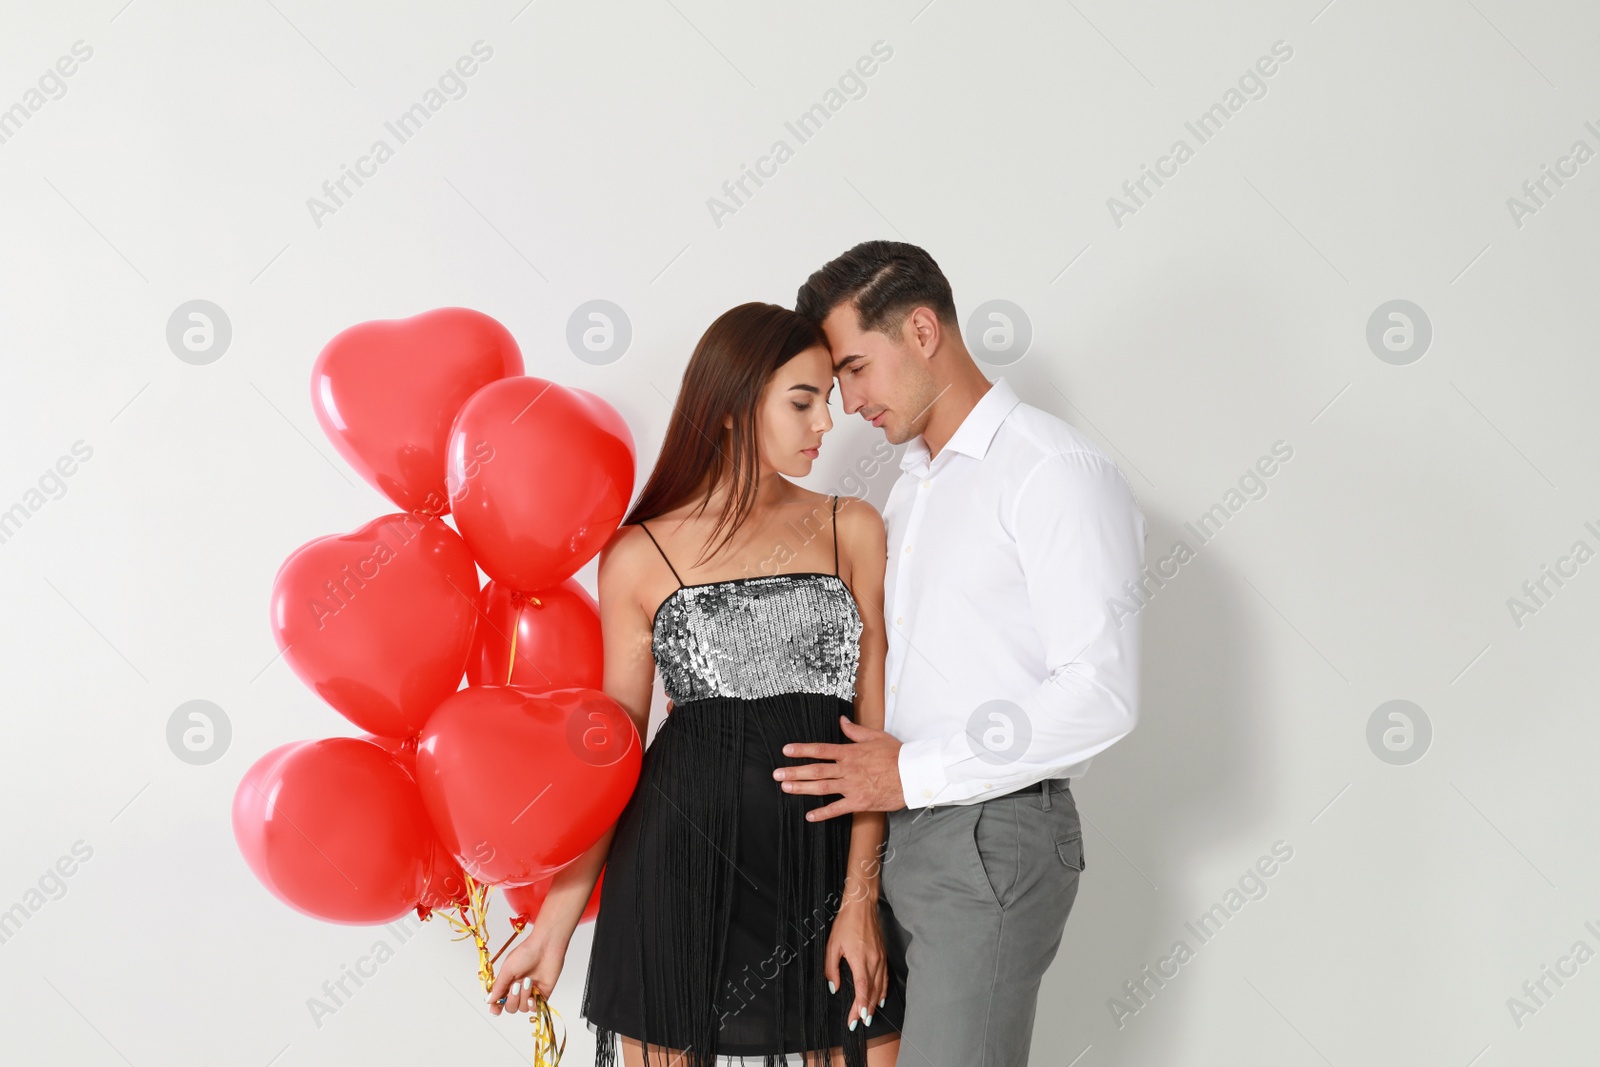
758, 637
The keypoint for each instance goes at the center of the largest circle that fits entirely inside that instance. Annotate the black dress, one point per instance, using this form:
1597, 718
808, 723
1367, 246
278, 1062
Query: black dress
719, 896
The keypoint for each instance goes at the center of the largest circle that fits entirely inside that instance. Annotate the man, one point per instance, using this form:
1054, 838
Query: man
1013, 544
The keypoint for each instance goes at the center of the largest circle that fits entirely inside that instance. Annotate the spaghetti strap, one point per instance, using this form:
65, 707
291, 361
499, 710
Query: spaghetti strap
836, 535
670, 567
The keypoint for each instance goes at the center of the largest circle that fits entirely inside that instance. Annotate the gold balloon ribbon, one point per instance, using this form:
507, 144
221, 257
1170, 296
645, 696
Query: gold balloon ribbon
517, 599
473, 922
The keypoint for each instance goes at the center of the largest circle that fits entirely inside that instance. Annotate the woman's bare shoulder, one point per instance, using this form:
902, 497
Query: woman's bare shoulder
625, 561
863, 541
857, 511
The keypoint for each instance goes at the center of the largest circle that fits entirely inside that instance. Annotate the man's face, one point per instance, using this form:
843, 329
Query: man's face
884, 378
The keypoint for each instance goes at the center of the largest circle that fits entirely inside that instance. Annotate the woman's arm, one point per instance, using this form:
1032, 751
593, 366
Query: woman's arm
863, 546
629, 678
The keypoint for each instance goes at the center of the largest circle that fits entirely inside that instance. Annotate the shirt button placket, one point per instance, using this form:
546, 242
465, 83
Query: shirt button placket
912, 524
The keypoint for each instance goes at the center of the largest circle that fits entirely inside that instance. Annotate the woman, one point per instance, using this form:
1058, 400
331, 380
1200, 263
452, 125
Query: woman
727, 920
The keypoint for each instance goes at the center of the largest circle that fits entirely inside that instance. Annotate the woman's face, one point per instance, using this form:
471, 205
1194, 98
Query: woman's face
792, 414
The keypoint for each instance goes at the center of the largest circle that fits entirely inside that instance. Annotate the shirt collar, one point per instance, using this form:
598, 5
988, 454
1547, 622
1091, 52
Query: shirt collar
976, 431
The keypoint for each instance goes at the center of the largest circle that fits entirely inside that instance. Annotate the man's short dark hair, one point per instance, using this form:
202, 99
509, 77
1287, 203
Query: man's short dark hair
885, 280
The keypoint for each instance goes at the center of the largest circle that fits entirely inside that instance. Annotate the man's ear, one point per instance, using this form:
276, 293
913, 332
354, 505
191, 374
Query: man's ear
924, 330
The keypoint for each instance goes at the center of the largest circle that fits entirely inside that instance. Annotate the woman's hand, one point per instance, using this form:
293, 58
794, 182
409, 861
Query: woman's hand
857, 938
535, 964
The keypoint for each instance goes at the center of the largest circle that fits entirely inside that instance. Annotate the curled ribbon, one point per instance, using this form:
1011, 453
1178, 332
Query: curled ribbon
472, 920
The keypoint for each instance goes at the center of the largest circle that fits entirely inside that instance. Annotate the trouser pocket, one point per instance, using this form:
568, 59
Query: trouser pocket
1070, 851
1066, 828
997, 844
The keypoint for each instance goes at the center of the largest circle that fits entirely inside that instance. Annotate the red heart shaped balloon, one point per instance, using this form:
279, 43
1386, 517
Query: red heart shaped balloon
526, 900
443, 886
520, 783
442, 883
387, 391
402, 749
553, 633
540, 477
379, 621
335, 828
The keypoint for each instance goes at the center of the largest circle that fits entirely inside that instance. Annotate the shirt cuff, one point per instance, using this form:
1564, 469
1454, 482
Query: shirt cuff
922, 773
938, 770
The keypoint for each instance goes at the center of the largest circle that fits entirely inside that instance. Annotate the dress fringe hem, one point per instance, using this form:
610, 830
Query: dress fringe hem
689, 806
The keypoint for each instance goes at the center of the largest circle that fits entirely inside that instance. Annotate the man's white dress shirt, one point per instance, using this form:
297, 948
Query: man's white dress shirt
1013, 637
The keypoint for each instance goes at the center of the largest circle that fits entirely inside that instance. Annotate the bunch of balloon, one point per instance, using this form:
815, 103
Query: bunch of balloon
451, 791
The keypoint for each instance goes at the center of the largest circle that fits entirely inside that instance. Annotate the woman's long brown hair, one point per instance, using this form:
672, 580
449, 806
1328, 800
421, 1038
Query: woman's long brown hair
730, 366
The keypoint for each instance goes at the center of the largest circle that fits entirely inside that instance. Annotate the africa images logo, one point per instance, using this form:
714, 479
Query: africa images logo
852, 85
1252, 85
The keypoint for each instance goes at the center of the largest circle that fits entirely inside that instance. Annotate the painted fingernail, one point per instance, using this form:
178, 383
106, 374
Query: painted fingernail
831, 987
515, 986
882, 1002
852, 1024
869, 1018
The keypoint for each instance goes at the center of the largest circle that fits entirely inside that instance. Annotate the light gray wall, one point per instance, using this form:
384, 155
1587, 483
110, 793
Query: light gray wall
1228, 312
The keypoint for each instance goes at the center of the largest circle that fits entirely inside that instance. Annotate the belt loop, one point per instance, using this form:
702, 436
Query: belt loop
1044, 793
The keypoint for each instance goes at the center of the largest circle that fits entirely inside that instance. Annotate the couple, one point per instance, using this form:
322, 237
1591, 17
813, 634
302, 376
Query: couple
851, 697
